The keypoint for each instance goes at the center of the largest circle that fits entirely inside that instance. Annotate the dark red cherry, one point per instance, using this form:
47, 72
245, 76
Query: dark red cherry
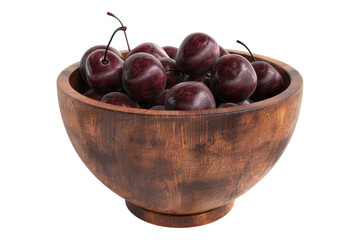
161, 99
143, 77
233, 79
223, 51
226, 105
197, 53
158, 107
103, 69
119, 99
270, 82
104, 76
189, 96
171, 51
94, 95
86, 54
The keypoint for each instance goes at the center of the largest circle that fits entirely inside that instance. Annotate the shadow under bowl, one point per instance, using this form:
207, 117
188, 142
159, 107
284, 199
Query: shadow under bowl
180, 168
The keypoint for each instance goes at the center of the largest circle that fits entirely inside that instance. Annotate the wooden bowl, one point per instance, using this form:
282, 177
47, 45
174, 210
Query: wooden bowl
180, 168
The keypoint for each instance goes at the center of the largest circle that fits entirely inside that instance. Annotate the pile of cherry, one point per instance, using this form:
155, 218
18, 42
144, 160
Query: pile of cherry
198, 75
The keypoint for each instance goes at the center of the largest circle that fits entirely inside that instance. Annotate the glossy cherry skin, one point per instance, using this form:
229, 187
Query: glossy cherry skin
172, 77
245, 102
161, 99
144, 77
197, 53
94, 95
230, 104
150, 48
226, 105
120, 99
86, 54
104, 77
171, 51
189, 96
270, 82
223, 51
158, 107
233, 79
198, 78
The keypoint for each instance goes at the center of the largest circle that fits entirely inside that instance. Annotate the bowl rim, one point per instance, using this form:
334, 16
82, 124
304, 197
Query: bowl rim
295, 86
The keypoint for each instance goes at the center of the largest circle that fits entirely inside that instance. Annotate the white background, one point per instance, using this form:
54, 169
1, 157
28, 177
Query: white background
313, 191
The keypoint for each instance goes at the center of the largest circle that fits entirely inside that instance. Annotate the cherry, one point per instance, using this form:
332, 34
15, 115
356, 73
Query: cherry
171, 51
269, 83
119, 99
87, 53
158, 107
161, 99
143, 77
189, 96
197, 53
94, 95
103, 69
245, 102
233, 78
228, 104
220, 104
223, 51
150, 48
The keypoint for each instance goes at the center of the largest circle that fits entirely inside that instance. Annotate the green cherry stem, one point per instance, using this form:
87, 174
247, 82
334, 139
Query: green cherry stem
238, 41
127, 42
105, 61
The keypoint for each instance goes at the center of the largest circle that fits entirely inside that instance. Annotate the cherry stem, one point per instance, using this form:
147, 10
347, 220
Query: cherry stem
127, 42
105, 61
238, 41
110, 14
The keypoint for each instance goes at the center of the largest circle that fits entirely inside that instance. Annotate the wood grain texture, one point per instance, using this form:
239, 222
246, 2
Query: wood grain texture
180, 162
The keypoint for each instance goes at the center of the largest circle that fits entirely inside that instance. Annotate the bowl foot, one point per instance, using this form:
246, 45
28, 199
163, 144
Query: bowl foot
179, 221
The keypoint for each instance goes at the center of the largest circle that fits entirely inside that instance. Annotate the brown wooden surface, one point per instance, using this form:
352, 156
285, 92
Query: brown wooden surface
180, 162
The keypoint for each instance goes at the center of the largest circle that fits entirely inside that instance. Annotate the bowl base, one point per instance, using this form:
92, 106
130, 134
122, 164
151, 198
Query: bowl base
179, 221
